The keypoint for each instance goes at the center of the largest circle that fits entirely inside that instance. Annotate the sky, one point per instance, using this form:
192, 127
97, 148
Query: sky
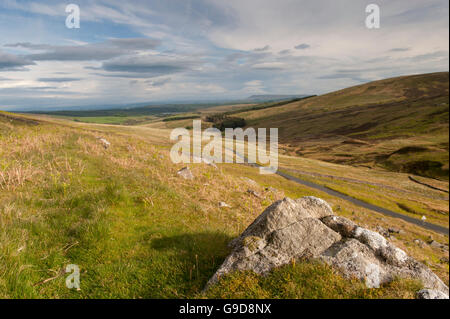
184, 50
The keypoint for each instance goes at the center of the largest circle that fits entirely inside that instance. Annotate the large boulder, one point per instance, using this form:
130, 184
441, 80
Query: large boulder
431, 294
306, 228
286, 230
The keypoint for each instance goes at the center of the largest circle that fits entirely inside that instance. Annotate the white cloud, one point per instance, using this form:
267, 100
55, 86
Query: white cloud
211, 49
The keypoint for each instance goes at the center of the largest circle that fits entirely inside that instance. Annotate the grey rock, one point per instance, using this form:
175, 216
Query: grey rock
431, 294
286, 230
104, 143
254, 193
186, 173
355, 260
393, 230
341, 225
419, 242
223, 205
373, 254
396, 231
306, 228
436, 244
382, 231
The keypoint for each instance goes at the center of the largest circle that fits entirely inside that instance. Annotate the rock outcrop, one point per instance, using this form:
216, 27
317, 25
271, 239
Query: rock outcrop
431, 294
306, 228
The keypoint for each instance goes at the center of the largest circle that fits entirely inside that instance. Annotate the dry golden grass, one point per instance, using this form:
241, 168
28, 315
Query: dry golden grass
127, 217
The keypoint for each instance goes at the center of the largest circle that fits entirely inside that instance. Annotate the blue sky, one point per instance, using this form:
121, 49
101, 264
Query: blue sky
174, 50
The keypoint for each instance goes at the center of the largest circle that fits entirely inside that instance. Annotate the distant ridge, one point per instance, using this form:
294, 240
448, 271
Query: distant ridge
400, 124
274, 97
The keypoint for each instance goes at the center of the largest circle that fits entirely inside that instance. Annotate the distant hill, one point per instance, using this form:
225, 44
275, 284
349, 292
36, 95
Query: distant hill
272, 98
399, 123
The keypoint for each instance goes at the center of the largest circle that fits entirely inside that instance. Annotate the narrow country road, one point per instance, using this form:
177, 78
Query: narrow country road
378, 209
360, 203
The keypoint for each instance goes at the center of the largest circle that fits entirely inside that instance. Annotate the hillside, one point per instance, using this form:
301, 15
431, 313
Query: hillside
136, 230
400, 124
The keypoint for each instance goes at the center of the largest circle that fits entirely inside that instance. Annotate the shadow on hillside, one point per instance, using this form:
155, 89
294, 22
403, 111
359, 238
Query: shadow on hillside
194, 258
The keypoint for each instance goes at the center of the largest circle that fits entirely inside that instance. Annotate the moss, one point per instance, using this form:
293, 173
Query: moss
306, 280
251, 242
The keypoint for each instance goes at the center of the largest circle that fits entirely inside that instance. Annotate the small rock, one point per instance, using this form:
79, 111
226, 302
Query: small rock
286, 229
419, 242
223, 205
271, 189
435, 244
186, 173
382, 231
431, 294
444, 260
105, 143
254, 193
394, 230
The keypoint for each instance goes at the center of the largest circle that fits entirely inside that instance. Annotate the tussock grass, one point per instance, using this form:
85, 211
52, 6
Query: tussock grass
306, 280
134, 227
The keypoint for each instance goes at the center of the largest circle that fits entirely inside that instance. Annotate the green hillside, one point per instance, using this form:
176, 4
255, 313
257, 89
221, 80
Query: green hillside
134, 227
400, 124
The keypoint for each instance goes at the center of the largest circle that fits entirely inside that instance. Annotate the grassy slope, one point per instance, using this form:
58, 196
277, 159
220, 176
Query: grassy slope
394, 191
135, 228
400, 124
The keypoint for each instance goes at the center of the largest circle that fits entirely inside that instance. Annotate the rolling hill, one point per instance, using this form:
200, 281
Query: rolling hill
400, 124
135, 228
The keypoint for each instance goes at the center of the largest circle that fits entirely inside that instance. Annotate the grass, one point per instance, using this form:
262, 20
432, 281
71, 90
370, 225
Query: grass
368, 125
435, 209
306, 280
118, 120
134, 227
121, 214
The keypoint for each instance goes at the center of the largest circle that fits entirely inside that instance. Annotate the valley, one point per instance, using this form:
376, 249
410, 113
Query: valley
137, 231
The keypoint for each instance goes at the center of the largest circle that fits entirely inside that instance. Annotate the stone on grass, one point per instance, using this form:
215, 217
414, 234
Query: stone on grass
436, 244
306, 228
223, 205
104, 143
186, 173
254, 193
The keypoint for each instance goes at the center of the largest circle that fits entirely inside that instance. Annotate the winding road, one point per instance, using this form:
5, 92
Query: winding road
355, 201
378, 209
